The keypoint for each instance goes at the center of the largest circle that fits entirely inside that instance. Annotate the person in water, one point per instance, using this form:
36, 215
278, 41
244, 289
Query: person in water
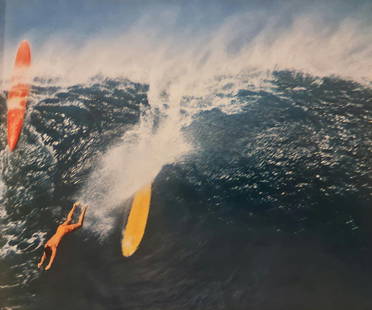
62, 230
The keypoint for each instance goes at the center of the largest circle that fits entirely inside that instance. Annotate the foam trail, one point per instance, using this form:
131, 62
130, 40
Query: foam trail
127, 167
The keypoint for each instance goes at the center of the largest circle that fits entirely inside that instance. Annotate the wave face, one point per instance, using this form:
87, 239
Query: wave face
280, 179
255, 132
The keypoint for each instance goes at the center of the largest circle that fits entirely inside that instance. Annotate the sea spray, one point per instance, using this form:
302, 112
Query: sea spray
128, 166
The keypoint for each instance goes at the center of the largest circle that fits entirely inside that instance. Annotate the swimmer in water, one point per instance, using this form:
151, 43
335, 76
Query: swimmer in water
62, 230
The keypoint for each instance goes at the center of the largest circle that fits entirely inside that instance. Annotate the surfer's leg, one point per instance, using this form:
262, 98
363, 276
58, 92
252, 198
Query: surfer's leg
52, 258
42, 260
47, 252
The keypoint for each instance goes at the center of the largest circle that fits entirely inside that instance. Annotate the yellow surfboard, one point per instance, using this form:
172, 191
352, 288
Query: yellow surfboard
136, 224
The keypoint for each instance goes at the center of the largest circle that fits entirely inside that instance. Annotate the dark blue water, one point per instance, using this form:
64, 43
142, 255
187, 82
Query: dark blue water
271, 210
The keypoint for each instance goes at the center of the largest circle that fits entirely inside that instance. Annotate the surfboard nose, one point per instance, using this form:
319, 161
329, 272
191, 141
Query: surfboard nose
23, 58
15, 123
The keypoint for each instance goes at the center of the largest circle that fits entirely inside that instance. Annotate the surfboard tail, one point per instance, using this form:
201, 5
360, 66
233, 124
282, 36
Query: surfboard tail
136, 223
15, 124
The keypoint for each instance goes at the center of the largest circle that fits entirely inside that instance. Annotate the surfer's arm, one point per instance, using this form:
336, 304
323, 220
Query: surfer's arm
72, 227
71, 213
52, 258
82, 216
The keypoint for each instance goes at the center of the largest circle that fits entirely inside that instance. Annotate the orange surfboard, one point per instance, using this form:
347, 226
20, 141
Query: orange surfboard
18, 93
137, 219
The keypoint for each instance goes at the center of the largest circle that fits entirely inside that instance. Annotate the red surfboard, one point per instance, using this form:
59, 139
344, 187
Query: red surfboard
18, 93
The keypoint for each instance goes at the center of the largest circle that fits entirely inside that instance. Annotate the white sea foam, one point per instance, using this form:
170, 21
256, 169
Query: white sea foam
146, 52
127, 167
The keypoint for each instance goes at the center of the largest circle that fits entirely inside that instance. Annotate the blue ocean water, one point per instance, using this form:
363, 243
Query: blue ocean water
269, 210
251, 119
